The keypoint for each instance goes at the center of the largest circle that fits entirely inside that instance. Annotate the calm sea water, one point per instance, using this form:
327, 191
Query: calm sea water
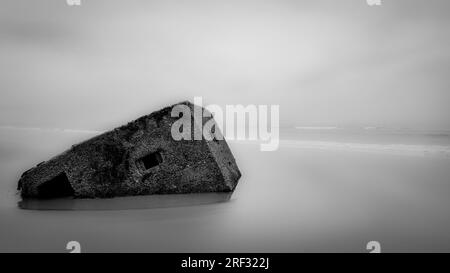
327, 190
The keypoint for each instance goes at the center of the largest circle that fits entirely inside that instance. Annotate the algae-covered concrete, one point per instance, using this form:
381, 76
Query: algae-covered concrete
136, 159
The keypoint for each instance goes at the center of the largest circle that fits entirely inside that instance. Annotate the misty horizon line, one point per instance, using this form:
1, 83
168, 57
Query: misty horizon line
296, 127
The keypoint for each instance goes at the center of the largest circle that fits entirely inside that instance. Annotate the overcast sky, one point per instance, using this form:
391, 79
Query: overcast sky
328, 62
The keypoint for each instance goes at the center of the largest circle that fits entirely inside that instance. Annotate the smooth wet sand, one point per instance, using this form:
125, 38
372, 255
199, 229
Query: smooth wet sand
297, 199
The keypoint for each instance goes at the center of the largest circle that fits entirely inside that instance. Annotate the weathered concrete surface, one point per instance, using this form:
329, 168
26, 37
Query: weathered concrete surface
136, 159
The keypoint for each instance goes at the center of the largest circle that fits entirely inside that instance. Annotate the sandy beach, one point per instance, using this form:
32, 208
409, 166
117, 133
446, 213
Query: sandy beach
310, 195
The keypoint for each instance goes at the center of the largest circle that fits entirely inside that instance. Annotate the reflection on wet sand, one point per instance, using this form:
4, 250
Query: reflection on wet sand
298, 199
125, 203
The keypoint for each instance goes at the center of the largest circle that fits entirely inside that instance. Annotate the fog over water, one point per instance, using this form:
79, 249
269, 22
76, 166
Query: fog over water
363, 93
326, 63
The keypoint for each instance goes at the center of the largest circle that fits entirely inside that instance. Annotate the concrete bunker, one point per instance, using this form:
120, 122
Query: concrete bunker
138, 158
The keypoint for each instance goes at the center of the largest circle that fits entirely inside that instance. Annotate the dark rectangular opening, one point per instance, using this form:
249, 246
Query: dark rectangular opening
59, 186
152, 160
